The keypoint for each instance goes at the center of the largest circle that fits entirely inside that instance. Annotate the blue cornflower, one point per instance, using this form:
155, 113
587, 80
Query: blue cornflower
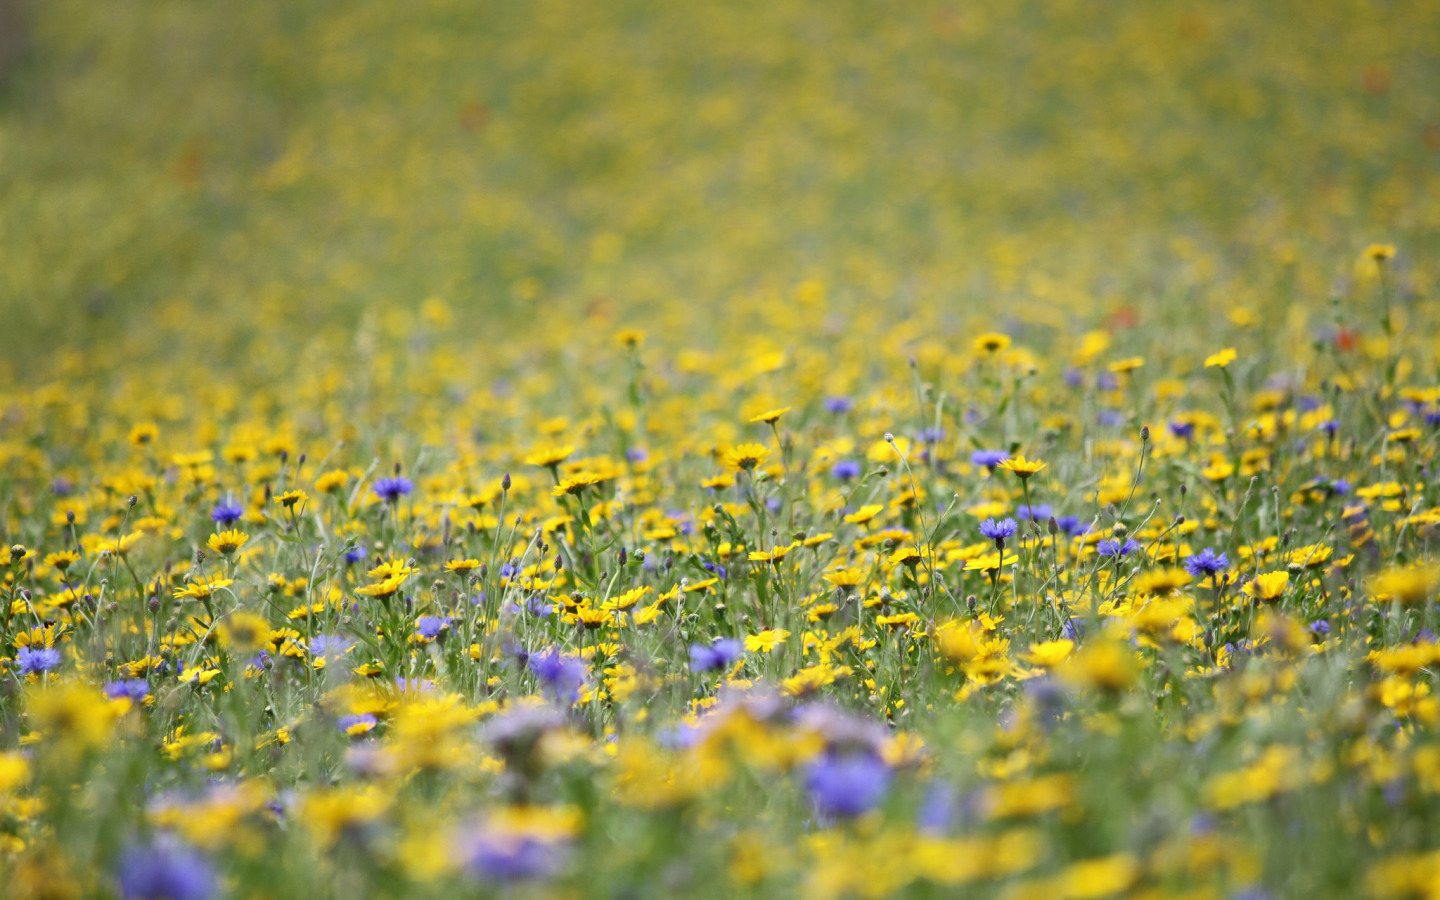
845, 469
166, 871
715, 569
227, 513
1068, 524
839, 405
33, 662
998, 531
135, 689
637, 454
365, 721
560, 676
1111, 547
500, 856
329, 645
988, 458
1183, 430
722, 654
848, 785
429, 627
1206, 563
392, 489
355, 555
1037, 513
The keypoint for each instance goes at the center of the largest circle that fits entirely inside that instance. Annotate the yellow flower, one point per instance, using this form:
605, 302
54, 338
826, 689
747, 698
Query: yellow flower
62, 560
1221, 359
746, 456
766, 641
1049, 654
991, 342
331, 481
1120, 366
1104, 664
1410, 585
864, 514
1021, 467
548, 457
771, 416
144, 433
227, 542
630, 337
203, 587
462, 565
1103, 877
576, 484
1380, 252
845, 577
383, 588
773, 555
1269, 586
243, 632
290, 498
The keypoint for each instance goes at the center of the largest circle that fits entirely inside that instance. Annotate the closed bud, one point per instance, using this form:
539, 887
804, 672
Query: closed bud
505, 482
1144, 433
1052, 526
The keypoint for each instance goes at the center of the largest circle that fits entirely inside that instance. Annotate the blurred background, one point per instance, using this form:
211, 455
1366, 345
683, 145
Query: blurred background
272, 168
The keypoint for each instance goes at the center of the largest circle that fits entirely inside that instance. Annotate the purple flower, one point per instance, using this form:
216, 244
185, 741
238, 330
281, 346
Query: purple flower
1110, 547
345, 723
329, 645
939, 810
1206, 563
848, 785
637, 454
165, 870
839, 405
1110, 418
226, 513
714, 569
997, 531
722, 654
1068, 524
33, 662
1038, 513
845, 469
429, 627
1320, 627
495, 855
988, 458
135, 689
1183, 430
355, 555
561, 676
392, 489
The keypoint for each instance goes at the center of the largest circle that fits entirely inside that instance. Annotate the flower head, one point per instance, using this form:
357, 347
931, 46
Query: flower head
33, 661
1021, 467
746, 456
391, 490
1206, 563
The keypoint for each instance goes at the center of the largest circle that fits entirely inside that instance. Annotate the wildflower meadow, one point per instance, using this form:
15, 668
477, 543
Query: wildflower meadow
952, 448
